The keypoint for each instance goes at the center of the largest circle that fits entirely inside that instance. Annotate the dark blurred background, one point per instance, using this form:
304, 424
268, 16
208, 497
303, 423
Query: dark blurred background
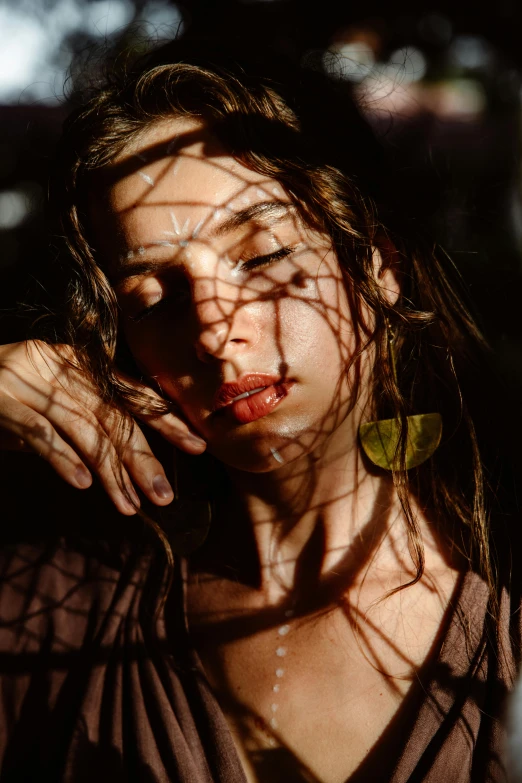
440, 82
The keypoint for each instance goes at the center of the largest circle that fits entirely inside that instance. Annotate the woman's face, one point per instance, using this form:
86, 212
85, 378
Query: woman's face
232, 306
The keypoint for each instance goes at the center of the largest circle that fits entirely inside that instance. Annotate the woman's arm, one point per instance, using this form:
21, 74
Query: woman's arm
49, 408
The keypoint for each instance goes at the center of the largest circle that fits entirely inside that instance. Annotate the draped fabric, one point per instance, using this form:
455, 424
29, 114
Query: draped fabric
94, 687
87, 692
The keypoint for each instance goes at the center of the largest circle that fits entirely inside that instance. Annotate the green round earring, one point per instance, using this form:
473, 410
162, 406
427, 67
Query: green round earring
380, 439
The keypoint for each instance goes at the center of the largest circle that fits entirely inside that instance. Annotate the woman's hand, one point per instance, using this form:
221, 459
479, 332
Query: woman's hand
49, 408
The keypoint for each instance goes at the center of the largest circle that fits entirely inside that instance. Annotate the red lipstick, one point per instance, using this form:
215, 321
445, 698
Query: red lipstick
252, 397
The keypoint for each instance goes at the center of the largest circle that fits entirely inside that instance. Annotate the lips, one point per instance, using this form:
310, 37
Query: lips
252, 397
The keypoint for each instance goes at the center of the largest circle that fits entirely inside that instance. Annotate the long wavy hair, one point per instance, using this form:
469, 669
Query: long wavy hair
296, 125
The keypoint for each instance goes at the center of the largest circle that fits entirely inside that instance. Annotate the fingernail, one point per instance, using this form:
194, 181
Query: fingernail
82, 477
133, 495
127, 505
127, 501
162, 487
195, 440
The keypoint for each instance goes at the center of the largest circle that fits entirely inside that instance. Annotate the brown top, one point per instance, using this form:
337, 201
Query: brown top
93, 688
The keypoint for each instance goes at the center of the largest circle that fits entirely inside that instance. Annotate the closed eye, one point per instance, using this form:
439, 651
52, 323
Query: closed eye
172, 300
257, 262
247, 265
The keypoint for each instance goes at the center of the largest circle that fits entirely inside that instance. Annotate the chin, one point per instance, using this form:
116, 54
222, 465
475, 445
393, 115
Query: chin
264, 452
255, 456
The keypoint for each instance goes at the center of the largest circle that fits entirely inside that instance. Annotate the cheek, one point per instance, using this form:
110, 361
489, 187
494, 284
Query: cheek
156, 347
317, 323
165, 355
143, 348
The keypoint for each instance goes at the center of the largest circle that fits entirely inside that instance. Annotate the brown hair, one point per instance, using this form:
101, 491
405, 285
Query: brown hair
299, 127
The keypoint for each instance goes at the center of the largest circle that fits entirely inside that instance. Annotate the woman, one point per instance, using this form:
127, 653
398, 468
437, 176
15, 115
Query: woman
239, 278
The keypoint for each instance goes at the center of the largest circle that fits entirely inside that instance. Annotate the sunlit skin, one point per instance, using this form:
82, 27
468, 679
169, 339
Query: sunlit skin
227, 319
219, 319
218, 278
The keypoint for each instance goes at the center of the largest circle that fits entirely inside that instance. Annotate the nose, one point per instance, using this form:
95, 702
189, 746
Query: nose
225, 326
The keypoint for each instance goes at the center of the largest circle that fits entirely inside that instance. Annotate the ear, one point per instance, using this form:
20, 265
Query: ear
386, 269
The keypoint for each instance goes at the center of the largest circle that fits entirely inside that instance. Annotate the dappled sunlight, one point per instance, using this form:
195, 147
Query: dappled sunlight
241, 294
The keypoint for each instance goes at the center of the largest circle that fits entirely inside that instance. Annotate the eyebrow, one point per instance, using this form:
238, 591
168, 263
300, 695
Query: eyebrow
134, 269
275, 210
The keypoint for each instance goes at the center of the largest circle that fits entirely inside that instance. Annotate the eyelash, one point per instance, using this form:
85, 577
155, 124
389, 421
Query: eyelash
150, 309
256, 262
246, 265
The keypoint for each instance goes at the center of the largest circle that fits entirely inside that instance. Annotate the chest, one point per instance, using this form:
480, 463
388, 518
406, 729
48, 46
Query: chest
307, 697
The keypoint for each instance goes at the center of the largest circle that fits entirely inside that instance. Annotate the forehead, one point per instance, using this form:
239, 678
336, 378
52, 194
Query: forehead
179, 162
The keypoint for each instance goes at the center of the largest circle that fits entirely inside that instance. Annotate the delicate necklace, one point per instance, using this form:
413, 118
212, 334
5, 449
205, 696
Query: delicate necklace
279, 672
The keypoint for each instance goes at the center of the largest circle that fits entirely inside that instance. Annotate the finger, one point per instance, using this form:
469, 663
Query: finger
36, 358
176, 432
22, 424
170, 426
69, 437
142, 466
145, 470
118, 485
92, 429
90, 439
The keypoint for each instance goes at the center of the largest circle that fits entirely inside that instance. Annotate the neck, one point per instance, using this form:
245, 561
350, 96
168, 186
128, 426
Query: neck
317, 520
